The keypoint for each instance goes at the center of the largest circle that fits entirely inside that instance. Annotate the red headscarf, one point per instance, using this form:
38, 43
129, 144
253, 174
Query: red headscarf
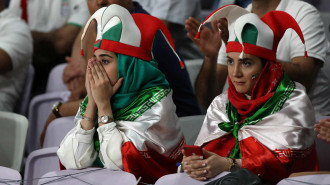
263, 89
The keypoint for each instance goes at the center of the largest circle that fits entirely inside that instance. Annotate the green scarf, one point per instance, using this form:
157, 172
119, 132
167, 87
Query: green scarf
274, 104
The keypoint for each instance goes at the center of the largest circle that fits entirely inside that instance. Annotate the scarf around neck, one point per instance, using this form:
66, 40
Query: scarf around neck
269, 94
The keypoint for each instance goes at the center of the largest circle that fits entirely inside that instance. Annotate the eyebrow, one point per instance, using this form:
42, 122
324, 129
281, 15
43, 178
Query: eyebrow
105, 55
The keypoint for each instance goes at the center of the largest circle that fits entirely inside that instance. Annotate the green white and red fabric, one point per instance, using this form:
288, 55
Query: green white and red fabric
145, 138
274, 142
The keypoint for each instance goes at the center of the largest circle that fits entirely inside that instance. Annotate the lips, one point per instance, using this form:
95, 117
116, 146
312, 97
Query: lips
239, 83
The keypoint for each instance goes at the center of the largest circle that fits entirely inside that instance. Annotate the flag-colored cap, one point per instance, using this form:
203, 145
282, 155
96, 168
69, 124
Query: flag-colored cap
129, 34
260, 37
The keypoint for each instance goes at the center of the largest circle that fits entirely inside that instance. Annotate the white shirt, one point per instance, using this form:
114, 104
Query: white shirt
49, 15
290, 46
16, 41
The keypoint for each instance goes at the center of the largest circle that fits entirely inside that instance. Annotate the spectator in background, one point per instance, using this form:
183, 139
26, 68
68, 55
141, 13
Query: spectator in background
127, 122
54, 25
15, 56
174, 13
307, 71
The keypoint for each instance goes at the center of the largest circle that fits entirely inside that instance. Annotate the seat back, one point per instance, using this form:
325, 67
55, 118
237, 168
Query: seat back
323, 150
191, 126
193, 68
39, 110
99, 176
23, 102
55, 82
57, 130
8, 175
13, 129
40, 162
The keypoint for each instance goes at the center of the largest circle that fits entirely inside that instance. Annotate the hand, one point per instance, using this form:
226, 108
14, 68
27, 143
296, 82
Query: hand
101, 88
323, 129
210, 40
203, 169
77, 88
75, 68
88, 85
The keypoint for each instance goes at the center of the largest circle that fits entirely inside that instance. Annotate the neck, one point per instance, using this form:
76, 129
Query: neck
261, 7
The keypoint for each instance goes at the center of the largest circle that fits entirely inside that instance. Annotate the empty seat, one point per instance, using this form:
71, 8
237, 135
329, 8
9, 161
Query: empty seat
13, 130
9, 176
55, 82
39, 110
38, 163
56, 131
191, 126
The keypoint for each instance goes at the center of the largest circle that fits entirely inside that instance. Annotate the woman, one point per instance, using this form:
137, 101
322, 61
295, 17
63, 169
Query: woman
264, 122
129, 102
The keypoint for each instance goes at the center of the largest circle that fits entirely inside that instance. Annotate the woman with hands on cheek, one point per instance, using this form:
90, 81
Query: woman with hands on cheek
127, 121
263, 123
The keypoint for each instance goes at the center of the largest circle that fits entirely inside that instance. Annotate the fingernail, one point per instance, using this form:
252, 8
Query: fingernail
205, 171
203, 164
201, 157
185, 171
185, 163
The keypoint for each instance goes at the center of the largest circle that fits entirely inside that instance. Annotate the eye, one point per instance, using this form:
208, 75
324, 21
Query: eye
246, 63
230, 61
104, 61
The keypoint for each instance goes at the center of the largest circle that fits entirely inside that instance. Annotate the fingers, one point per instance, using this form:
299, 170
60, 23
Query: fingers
117, 85
197, 170
192, 26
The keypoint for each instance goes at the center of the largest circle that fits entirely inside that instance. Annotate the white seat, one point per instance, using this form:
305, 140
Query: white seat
183, 178
39, 110
190, 126
13, 129
56, 131
193, 68
23, 102
55, 82
100, 176
38, 163
321, 179
9, 176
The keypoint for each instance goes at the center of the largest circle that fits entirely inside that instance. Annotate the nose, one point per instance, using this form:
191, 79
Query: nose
237, 72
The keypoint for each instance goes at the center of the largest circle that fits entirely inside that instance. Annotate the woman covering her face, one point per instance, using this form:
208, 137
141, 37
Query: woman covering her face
127, 121
264, 122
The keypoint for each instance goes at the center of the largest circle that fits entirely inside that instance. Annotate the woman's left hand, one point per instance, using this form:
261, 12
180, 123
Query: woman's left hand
203, 169
101, 88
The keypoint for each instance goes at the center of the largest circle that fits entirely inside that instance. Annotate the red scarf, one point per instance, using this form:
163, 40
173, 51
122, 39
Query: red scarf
263, 89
